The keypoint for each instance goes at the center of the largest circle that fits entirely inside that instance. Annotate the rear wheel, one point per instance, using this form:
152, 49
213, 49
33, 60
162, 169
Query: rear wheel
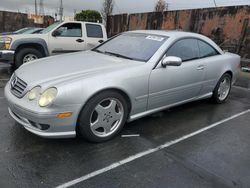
103, 117
26, 55
222, 89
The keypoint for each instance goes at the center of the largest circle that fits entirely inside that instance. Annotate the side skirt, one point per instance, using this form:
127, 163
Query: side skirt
148, 112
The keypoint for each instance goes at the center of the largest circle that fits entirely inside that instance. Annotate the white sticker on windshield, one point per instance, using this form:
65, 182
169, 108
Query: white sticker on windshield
159, 39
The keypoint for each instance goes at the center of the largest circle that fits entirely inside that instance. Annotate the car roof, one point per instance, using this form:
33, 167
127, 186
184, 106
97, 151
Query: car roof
169, 33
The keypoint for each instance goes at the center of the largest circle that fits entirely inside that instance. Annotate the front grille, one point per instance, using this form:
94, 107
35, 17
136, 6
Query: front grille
18, 86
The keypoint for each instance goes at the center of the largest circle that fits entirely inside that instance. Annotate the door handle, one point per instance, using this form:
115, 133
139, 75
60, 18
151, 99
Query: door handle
101, 41
200, 67
79, 40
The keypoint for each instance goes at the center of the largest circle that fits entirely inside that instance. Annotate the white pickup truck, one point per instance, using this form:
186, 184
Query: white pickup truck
58, 38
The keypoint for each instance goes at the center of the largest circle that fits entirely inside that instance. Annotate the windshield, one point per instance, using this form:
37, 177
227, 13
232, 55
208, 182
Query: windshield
50, 28
134, 46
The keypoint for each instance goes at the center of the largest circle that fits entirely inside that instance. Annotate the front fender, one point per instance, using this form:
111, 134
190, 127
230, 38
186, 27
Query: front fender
133, 85
30, 41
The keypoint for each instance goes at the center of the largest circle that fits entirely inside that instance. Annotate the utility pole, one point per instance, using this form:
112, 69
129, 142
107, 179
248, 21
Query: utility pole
56, 16
61, 11
41, 8
215, 4
35, 7
75, 12
167, 6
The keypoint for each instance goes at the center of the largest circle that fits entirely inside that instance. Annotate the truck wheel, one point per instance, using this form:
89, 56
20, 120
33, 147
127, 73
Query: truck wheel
103, 117
26, 55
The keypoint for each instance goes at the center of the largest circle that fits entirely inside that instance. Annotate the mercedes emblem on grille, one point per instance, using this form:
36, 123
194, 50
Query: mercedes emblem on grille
14, 82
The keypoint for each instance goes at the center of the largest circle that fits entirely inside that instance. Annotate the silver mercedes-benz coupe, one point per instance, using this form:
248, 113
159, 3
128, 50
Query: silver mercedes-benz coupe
93, 94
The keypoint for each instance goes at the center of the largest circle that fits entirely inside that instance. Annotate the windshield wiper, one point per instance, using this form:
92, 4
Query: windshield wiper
118, 55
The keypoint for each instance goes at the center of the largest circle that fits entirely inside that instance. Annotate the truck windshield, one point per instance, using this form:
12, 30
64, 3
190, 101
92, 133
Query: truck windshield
134, 46
50, 28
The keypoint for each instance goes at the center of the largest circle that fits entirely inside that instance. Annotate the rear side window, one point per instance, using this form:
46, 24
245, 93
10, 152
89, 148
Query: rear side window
206, 50
94, 31
186, 49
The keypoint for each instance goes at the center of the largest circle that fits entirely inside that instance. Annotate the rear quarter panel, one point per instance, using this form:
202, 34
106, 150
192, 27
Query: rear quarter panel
218, 65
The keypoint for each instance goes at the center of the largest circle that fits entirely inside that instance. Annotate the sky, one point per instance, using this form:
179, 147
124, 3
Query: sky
121, 6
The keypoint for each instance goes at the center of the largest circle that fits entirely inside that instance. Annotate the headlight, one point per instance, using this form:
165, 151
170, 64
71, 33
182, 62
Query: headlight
6, 41
34, 93
47, 97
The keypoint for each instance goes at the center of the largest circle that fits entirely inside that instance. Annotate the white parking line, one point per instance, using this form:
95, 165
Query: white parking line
147, 152
130, 135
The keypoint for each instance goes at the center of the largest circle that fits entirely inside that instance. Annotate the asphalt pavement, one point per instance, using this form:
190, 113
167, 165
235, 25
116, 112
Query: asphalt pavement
218, 157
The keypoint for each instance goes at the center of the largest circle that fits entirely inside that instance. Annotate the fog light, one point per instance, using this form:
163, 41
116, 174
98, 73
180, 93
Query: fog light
64, 115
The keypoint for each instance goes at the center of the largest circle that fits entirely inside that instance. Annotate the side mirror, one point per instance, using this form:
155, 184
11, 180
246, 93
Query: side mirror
171, 61
55, 33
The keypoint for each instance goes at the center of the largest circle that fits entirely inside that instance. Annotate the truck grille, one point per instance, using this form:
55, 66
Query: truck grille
2, 46
17, 86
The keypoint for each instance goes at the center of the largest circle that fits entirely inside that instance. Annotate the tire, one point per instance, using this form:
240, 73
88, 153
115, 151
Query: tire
99, 115
19, 58
217, 97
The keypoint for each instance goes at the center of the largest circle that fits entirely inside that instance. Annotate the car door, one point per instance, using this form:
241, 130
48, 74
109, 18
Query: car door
170, 85
212, 61
95, 35
69, 38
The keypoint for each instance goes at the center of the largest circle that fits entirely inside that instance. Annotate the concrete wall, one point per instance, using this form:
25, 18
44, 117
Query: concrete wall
227, 26
12, 21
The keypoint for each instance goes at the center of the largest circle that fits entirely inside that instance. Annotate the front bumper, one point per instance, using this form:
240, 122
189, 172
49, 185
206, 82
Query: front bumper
7, 56
36, 121
28, 126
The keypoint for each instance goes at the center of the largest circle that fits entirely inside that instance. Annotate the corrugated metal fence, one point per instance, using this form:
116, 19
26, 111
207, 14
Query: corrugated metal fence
227, 26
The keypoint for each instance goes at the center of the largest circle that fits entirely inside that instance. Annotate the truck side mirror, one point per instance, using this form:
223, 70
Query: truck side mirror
56, 33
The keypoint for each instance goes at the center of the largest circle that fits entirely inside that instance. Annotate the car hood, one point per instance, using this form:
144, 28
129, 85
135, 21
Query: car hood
25, 36
69, 66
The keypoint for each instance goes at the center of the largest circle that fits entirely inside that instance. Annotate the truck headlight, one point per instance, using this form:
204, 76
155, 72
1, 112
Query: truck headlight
6, 42
34, 93
47, 97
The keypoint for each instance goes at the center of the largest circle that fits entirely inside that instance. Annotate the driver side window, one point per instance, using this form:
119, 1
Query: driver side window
186, 49
70, 30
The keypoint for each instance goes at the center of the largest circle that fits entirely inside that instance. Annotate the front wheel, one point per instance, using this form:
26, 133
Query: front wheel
222, 89
103, 117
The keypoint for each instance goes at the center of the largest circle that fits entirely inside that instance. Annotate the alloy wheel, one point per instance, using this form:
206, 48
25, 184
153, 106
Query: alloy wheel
106, 117
224, 88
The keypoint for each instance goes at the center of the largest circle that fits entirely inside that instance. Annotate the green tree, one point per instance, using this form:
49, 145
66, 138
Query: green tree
89, 16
